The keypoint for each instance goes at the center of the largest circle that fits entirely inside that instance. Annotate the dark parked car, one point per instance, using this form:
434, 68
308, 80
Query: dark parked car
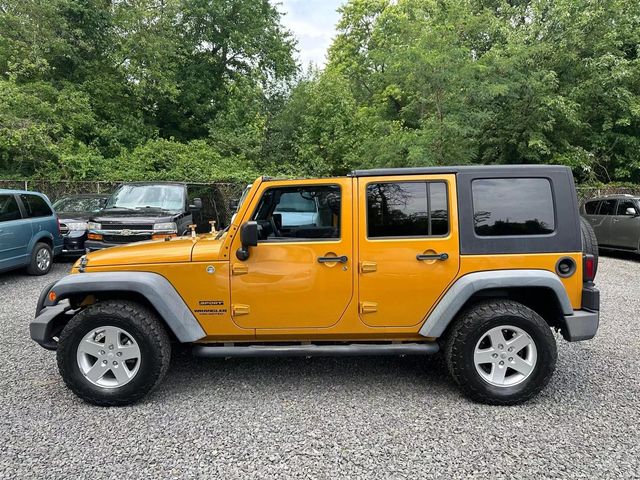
74, 212
142, 211
615, 220
29, 232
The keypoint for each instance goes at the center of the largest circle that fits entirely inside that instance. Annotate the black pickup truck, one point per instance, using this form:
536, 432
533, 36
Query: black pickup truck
142, 211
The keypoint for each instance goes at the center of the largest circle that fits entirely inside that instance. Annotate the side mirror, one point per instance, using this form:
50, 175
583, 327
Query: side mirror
248, 238
197, 204
631, 211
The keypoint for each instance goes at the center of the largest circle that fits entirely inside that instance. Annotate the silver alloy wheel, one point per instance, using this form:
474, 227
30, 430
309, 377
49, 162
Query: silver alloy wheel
505, 356
108, 357
43, 259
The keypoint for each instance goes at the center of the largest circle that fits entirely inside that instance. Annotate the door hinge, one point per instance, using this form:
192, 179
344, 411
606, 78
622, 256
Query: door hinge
368, 267
368, 307
240, 269
240, 309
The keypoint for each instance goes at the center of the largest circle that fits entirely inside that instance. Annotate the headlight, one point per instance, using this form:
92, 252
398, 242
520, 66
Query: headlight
166, 227
76, 226
94, 226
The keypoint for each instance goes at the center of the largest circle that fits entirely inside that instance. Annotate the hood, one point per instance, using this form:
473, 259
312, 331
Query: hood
175, 250
66, 217
133, 217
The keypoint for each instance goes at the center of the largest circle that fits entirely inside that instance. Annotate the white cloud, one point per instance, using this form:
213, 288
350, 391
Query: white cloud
313, 23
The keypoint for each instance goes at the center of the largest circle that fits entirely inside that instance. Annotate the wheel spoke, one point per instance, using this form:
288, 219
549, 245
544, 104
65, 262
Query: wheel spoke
91, 347
96, 372
521, 366
484, 356
129, 352
121, 374
519, 342
111, 337
498, 373
497, 338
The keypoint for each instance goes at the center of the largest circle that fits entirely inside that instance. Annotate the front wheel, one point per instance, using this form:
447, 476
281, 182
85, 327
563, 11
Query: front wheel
501, 352
41, 259
113, 353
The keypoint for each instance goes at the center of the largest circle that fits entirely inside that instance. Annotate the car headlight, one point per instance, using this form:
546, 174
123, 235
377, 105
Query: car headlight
76, 226
166, 227
94, 226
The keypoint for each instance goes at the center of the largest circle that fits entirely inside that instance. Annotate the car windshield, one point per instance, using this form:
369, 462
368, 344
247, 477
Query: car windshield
141, 197
80, 204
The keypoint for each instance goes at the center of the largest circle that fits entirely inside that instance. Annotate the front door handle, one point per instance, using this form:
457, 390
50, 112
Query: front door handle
340, 259
432, 256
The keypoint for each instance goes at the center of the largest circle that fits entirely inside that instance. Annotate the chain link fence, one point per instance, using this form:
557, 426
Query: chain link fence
216, 196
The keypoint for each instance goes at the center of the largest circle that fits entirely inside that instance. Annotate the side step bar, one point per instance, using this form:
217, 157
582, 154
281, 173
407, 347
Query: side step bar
310, 350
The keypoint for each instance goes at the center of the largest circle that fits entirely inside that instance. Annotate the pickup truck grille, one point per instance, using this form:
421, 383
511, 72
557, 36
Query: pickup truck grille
125, 238
123, 226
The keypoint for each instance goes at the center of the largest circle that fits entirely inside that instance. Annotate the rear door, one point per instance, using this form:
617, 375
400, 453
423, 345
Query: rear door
15, 233
625, 227
408, 243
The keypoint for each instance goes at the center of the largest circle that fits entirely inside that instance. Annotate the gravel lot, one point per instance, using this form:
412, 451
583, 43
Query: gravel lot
327, 418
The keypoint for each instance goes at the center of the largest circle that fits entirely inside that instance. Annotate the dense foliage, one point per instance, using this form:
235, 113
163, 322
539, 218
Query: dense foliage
208, 89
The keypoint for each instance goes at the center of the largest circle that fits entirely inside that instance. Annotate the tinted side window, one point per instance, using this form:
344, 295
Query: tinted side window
623, 205
36, 206
607, 207
513, 206
407, 209
9, 209
306, 213
591, 207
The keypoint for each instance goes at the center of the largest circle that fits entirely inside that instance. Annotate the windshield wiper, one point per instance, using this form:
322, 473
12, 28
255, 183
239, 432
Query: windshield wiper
221, 232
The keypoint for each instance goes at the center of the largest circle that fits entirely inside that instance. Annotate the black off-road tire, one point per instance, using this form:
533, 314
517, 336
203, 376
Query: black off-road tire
589, 241
33, 268
138, 321
469, 328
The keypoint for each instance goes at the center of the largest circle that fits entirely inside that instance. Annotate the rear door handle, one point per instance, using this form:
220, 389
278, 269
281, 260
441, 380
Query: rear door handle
432, 256
340, 259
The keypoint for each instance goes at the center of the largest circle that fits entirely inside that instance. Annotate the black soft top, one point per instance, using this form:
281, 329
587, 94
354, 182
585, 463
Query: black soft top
472, 169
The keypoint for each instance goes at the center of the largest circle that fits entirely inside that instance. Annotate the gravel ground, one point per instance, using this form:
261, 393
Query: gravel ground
327, 418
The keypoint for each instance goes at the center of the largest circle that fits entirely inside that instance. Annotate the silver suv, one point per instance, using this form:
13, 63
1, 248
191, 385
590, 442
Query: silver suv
616, 221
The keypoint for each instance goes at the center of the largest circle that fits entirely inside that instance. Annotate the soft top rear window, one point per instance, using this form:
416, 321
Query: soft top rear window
513, 206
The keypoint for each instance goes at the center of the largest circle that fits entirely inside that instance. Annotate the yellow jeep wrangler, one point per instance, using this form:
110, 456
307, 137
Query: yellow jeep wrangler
480, 263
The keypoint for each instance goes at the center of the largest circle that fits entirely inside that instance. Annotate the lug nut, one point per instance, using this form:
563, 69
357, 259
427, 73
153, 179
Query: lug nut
101, 352
500, 346
511, 359
110, 347
115, 363
104, 362
119, 354
495, 355
511, 349
501, 363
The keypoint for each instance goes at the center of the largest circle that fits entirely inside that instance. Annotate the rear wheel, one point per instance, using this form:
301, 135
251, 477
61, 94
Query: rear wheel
41, 259
113, 353
501, 352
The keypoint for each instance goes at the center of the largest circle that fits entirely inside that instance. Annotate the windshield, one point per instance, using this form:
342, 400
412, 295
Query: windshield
140, 197
79, 204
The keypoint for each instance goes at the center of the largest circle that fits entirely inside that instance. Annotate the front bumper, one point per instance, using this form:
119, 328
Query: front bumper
98, 245
48, 324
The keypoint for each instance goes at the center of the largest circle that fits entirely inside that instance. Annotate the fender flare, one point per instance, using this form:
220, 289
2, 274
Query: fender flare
466, 286
154, 287
39, 236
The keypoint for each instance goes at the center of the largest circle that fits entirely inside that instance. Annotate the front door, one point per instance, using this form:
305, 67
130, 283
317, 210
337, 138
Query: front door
625, 227
601, 222
300, 275
409, 249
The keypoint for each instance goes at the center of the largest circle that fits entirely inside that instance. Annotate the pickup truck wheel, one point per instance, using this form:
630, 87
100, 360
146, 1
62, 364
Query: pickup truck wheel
41, 259
113, 353
501, 352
